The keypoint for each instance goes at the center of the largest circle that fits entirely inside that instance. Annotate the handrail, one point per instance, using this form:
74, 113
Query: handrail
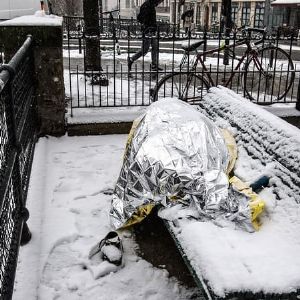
8, 71
18, 136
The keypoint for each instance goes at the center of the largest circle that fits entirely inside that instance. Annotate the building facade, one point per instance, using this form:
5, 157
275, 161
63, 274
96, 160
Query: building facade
286, 13
207, 13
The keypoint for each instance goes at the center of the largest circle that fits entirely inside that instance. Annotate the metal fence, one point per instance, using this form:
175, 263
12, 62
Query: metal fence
18, 125
135, 88
1, 55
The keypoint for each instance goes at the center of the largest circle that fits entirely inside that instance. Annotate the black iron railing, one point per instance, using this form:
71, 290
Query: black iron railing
74, 26
18, 123
1, 55
134, 88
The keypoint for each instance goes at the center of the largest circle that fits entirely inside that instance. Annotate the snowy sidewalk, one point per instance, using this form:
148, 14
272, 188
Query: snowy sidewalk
69, 197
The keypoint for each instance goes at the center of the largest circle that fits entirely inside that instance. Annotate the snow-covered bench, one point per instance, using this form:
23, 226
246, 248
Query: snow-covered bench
228, 263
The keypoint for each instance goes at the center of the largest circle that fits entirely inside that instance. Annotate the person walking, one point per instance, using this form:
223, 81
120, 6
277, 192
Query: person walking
147, 17
187, 18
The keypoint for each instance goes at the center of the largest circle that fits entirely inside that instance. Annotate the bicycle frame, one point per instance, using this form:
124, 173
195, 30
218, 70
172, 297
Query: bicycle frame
249, 53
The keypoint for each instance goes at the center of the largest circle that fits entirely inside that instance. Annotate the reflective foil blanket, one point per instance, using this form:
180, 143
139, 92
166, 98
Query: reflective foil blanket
175, 154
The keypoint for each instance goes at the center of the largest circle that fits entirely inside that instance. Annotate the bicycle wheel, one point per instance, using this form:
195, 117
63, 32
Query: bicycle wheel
188, 87
269, 75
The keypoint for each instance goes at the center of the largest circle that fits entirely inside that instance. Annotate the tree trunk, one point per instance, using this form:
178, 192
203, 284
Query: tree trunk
92, 35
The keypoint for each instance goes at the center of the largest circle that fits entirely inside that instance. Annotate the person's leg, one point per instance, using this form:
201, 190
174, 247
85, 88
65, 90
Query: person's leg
143, 51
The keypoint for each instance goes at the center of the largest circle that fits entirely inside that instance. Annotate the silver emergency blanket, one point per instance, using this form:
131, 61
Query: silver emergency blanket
175, 152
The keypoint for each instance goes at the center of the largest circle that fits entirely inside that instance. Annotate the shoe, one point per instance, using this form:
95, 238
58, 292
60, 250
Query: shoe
109, 249
156, 68
260, 183
129, 63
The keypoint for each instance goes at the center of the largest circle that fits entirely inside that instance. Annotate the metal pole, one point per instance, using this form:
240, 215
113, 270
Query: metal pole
298, 96
226, 23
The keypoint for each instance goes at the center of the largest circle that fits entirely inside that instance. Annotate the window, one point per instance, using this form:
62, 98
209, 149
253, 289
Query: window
214, 13
246, 14
234, 11
127, 3
259, 15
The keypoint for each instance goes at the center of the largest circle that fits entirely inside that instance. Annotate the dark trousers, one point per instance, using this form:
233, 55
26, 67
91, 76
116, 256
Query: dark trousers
147, 41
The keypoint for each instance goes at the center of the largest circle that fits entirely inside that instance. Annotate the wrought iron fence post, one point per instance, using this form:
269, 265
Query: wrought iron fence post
298, 96
205, 42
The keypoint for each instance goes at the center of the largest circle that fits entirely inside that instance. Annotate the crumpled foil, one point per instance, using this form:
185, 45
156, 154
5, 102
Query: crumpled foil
175, 152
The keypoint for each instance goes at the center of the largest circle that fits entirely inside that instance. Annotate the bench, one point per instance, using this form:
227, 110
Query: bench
271, 144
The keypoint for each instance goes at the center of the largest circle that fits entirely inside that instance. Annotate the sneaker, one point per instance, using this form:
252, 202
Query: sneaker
260, 183
109, 249
156, 68
129, 63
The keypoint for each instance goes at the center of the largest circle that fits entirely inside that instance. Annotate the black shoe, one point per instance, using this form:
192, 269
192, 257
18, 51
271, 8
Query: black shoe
260, 183
156, 68
110, 249
129, 63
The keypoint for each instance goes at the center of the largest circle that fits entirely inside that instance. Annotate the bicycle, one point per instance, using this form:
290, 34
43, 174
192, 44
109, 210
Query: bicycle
113, 28
266, 70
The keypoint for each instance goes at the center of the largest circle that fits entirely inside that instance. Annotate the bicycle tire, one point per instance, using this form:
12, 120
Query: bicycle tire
273, 82
175, 85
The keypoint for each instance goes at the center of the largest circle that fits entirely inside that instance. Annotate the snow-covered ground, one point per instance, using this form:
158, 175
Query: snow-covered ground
170, 60
232, 260
69, 199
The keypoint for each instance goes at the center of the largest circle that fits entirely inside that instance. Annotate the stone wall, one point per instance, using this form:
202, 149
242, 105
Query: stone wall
48, 63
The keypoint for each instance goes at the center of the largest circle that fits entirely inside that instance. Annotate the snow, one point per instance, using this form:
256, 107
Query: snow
229, 259
112, 252
69, 200
283, 110
284, 2
105, 115
232, 260
39, 19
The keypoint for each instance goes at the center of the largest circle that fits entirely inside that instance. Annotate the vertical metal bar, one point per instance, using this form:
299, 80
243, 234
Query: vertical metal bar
114, 62
121, 83
93, 96
205, 43
128, 72
78, 86
298, 96
173, 49
69, 63
107, 94
135, 85
218, 62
